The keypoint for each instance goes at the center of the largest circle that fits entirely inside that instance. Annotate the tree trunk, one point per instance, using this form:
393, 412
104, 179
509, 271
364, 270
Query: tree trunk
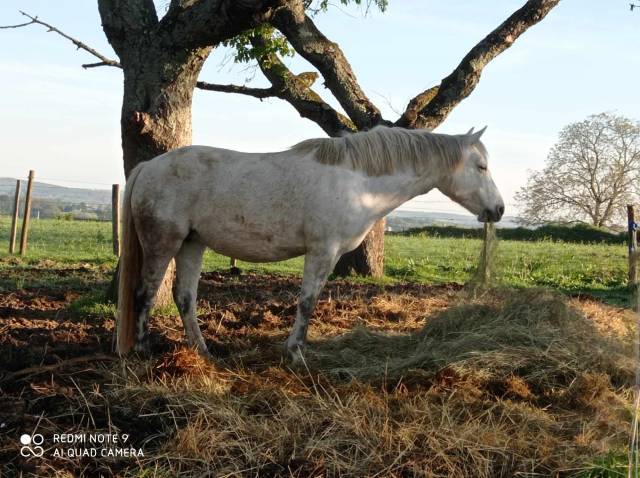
368, 258
156, 110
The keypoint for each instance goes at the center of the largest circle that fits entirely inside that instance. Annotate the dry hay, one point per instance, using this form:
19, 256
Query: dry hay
516, 382
430, 382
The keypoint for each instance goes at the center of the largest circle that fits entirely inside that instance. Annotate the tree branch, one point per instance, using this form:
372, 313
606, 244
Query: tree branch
19, 25
259, 93
194, 24
124, 22
423, 112
415, 106
328, 58
104, 61
295, 89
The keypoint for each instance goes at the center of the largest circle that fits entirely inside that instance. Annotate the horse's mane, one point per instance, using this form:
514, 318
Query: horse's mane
383, 150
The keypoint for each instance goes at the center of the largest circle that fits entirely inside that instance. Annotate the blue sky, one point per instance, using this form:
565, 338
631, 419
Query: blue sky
584, 58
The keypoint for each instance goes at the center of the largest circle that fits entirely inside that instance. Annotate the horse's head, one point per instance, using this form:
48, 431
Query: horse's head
470, 184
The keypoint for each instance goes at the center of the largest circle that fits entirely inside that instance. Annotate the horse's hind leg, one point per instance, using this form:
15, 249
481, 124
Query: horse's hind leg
188, 266
317, 267
153, 269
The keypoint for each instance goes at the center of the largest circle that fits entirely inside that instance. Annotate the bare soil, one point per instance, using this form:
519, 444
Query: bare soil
49, 354
53, 360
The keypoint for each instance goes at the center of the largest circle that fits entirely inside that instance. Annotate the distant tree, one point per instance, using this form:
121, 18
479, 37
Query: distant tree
6, 204
47, 208
590, 175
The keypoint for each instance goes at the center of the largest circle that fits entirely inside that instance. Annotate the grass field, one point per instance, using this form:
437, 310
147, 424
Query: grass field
596, 269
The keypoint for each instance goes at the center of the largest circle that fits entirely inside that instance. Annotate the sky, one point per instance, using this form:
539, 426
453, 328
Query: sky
63, 121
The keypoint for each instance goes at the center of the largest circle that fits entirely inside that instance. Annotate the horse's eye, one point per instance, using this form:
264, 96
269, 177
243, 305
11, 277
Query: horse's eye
482, 168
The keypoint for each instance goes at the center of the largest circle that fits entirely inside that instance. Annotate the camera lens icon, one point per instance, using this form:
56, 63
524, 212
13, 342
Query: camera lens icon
31, 445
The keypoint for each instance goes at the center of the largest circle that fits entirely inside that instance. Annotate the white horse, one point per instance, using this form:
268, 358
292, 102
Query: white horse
320, 198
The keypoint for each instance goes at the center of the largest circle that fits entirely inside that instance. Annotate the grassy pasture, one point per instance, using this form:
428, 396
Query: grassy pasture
598, 269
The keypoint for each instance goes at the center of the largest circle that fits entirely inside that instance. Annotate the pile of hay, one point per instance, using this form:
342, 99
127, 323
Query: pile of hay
514, 382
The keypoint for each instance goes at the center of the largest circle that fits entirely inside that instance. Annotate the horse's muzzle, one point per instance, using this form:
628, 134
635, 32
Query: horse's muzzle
492, 215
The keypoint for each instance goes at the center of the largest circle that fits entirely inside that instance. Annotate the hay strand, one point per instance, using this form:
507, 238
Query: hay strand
485, 273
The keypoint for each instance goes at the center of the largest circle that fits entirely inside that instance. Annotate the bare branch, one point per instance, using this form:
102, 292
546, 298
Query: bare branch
330, 61
104, 61
296, 90
259, 93
20, 25
462, 81
101, 63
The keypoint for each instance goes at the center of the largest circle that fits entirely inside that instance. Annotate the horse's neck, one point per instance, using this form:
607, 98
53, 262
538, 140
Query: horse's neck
383, 194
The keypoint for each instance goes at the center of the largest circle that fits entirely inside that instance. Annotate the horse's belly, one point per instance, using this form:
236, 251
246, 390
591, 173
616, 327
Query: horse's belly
252, 246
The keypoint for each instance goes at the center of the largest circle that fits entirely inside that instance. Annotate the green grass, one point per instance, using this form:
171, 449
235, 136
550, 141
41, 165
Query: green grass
63, 241
598, 269
564, 266
612, 465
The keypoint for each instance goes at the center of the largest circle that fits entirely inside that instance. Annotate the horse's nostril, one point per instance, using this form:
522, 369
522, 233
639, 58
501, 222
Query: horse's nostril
500, 210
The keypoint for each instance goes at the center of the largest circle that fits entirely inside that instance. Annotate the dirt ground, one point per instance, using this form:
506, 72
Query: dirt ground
52, 357
49, 354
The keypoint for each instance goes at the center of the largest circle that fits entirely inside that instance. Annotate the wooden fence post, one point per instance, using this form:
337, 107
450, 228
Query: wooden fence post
633, 257
233, 266
115, 218
14, 220
27, 215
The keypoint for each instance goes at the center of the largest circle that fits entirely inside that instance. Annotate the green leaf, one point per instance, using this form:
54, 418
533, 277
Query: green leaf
274, 43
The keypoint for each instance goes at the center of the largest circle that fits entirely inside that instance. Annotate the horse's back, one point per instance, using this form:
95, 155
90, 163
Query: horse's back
246, 205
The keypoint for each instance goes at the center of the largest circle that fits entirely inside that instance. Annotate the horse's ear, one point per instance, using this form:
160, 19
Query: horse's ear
475, 137
470, 131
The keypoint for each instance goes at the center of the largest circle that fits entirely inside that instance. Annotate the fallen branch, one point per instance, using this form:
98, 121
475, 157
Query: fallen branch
37, 369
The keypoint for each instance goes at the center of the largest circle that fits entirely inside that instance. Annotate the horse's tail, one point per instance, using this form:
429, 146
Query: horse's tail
129, 272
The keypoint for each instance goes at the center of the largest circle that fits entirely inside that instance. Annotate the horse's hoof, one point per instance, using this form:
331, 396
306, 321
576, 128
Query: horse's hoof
143, 348
293, 352
202, 350
206, 355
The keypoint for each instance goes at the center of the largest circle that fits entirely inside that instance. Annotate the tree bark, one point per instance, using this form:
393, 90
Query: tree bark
368, 257
156, 107
156, 112
158, 92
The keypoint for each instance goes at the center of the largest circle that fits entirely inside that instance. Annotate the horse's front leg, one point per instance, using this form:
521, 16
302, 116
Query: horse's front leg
317, 267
